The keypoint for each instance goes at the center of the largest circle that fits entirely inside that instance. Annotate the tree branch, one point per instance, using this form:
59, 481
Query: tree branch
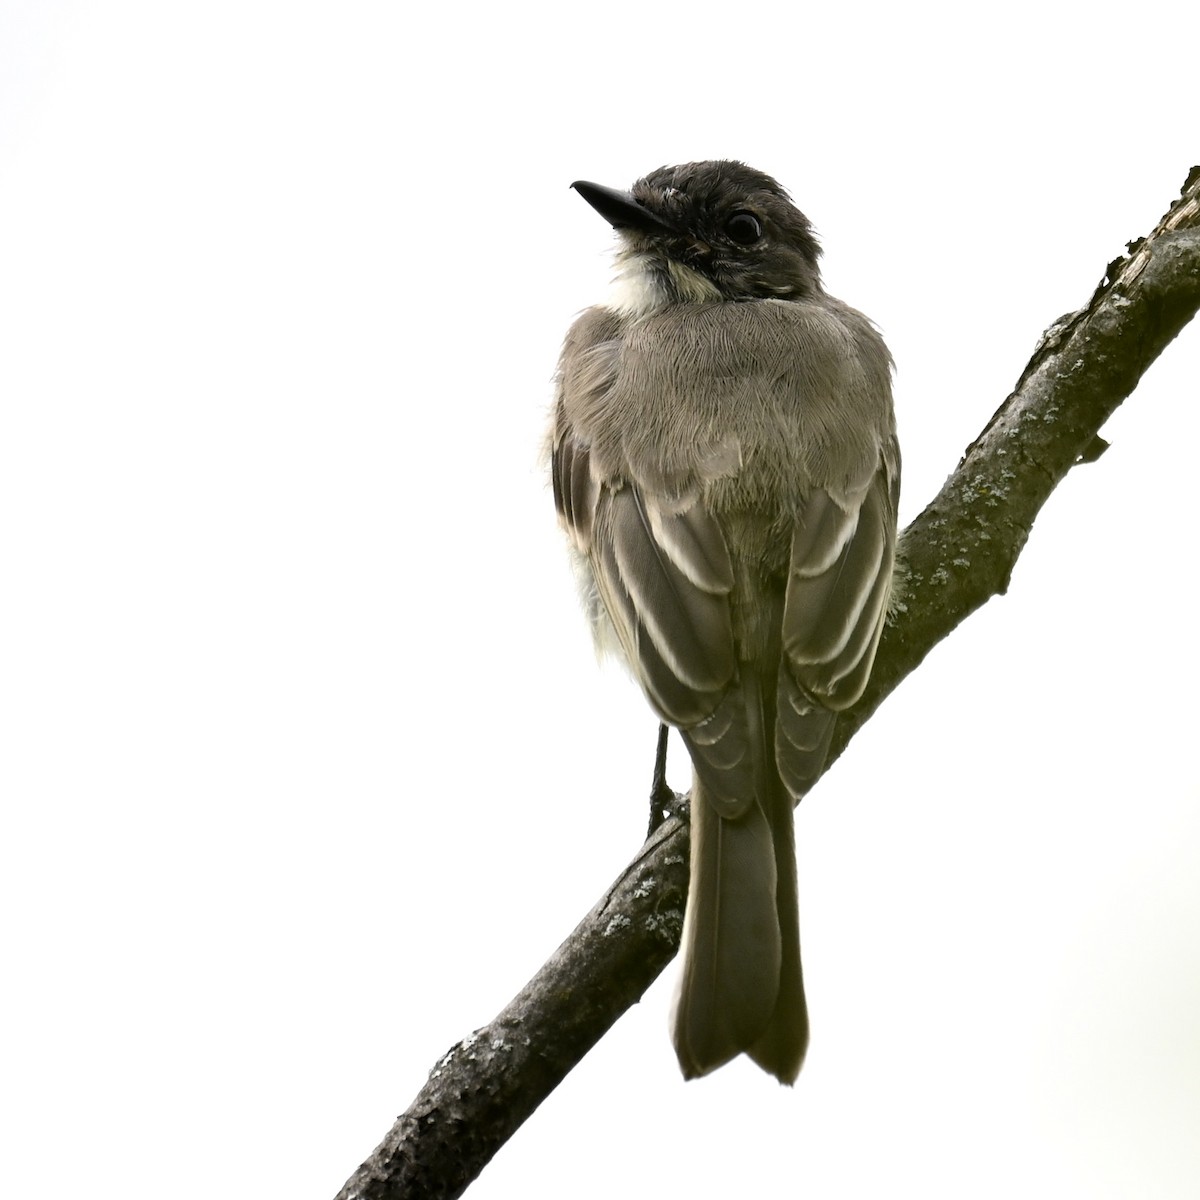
956, 555
961, 550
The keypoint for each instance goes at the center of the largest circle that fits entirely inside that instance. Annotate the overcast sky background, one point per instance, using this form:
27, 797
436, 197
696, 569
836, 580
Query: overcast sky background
296, 694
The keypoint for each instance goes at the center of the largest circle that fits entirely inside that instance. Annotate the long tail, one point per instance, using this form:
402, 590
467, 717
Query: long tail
741, 989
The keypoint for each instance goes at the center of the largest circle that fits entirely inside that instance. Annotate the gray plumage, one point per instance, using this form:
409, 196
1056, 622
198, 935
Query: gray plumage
724, 461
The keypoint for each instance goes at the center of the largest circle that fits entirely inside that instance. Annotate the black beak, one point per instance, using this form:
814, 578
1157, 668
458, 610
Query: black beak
620, 209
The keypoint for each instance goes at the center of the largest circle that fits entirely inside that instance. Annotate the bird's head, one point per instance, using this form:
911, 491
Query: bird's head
710, 231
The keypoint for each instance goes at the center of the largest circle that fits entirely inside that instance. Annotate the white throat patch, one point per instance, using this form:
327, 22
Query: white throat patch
639, 287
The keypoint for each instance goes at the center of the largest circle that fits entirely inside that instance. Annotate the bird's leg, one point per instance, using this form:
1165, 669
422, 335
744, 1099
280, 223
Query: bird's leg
664, 802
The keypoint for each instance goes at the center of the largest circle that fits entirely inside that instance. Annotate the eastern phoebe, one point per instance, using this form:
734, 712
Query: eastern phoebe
725, 463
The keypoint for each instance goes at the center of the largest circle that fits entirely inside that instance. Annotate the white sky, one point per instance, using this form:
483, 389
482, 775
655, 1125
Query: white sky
296, 696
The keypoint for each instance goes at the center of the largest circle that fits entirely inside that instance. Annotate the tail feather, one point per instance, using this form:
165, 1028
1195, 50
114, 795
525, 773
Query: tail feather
741, 988
782, 1046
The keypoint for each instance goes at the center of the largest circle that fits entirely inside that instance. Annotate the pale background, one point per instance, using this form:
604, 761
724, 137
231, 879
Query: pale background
296, 696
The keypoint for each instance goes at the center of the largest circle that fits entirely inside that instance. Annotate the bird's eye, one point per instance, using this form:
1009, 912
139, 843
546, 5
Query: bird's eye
744, 228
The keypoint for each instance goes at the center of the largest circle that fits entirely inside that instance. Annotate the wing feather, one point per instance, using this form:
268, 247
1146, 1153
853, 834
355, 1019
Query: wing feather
664, 576
837, 602
690, 626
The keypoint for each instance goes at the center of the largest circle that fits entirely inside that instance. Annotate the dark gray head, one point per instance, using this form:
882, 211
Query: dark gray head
732, 225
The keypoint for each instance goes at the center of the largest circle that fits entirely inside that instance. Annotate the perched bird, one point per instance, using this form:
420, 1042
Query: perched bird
724, 461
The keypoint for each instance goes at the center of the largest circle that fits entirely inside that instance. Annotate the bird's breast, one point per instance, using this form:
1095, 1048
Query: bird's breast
753, 403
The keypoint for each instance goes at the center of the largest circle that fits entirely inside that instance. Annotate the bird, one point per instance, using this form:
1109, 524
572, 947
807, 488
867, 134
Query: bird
724, 462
